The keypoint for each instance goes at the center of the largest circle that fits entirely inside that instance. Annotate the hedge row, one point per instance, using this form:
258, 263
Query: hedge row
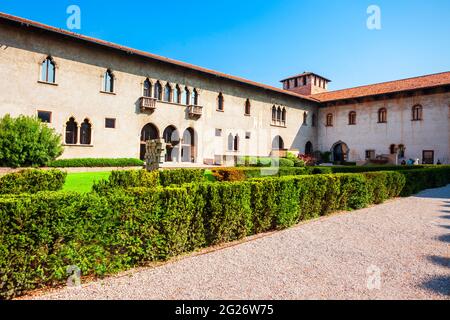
143, 178
95, 162
32, 181
241, 174
42, 234
361, 169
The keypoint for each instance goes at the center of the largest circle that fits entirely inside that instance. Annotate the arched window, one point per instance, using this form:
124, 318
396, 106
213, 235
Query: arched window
382, 115
220, 102
188, 151
247, 107
314, 120
108, 81
352, 118
85, 132
71, 131
194, 98
417, 112
48, 70
283, 116
279, 114
236, 143
172, 140
277, 143
177, 95
148, 132
230, 142
157, 94
167, 93
187, 98
329, 122
274, 114
147, 88
308, 148
305, 118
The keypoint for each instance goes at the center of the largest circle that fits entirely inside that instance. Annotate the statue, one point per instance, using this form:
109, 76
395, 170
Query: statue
155, 151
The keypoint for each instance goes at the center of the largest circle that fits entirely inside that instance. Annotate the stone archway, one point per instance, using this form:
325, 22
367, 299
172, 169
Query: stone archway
340, 151
188, 146
172, 139
148, 132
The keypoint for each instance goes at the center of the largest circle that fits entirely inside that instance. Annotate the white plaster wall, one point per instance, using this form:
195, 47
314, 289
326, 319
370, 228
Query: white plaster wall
432, 133
79, 76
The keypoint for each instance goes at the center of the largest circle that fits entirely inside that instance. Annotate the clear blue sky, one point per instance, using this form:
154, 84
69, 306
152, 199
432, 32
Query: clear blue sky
265, 40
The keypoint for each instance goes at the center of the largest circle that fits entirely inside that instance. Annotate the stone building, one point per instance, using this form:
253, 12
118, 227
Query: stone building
107, 100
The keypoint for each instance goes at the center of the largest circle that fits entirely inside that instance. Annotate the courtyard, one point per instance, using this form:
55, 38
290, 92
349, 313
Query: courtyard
396, 250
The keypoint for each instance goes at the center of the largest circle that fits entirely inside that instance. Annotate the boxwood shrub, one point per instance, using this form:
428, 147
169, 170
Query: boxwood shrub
43, 233
95, 162
31, 181
147, 179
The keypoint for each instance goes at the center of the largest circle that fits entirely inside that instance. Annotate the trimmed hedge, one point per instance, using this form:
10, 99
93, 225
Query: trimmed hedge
95, 162
241, 174
361, 169
41, 234
32, 181
146, 179
266, 162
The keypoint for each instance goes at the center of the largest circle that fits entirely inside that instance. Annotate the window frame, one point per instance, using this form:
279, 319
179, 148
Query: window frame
43, 111
115, 123
352, 118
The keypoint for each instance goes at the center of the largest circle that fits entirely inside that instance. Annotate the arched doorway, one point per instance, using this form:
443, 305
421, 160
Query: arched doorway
148, 132
172, 140
188, 147
277, 143
309, 148
340, 151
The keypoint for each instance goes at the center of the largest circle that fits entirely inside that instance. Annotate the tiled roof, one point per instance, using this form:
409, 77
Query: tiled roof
62, 32
423, 82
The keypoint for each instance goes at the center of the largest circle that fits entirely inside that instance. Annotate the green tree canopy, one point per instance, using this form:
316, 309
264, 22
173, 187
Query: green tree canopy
26, 141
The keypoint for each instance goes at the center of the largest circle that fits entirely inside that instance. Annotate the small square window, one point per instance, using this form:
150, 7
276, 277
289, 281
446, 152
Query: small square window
370, 154
110, 123
218, 132
45, 116
248, 135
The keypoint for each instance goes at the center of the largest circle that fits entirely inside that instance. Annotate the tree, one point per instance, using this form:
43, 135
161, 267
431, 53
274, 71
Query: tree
26, 141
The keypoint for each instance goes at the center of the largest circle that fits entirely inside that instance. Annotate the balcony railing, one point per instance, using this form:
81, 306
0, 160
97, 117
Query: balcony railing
195, 111
279, 123
147, 104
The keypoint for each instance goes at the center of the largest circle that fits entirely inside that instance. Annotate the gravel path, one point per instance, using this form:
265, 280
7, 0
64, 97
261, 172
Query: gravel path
406, 240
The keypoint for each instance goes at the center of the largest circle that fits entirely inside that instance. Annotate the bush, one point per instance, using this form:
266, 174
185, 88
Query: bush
95, 162
181, 176
241, 174
43, 233
146, 179
26, 141
32, 181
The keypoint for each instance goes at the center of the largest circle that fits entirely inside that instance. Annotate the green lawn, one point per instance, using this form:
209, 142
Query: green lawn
83, 181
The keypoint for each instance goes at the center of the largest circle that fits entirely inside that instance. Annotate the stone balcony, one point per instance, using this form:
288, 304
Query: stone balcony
195, 111
147, 104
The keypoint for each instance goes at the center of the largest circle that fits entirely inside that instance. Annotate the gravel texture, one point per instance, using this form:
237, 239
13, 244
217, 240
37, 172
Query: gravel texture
408, 240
